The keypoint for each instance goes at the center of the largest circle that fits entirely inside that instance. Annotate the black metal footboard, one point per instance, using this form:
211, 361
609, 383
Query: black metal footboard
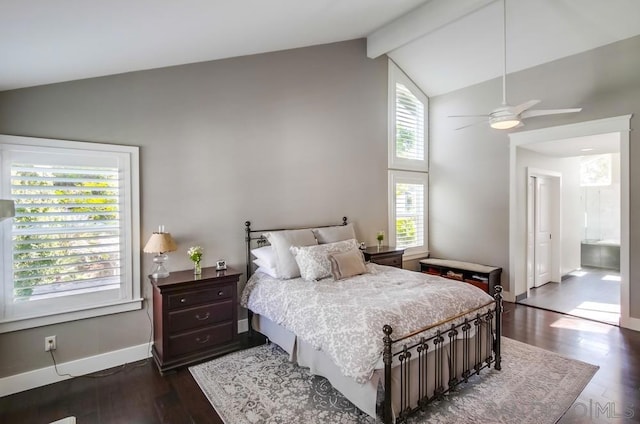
479, 335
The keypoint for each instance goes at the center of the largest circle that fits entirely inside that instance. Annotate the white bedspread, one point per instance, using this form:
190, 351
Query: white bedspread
345, 318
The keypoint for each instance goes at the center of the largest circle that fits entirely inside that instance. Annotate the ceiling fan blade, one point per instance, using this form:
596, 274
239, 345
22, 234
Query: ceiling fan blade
471, 125
524, 106
469, 116
542, 112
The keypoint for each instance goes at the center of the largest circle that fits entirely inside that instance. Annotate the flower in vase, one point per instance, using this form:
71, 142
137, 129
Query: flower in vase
195, 253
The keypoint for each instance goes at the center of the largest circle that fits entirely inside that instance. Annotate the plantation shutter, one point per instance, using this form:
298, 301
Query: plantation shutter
409, 118
410, 214
67, 232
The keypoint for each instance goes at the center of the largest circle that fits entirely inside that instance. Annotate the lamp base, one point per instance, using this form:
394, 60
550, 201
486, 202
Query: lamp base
158, 270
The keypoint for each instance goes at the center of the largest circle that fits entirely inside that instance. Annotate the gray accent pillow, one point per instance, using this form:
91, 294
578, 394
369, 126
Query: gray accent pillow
334, 234
281, 241
313, 261
347, 264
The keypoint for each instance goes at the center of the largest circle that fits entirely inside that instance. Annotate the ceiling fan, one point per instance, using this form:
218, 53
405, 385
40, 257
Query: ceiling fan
506, 116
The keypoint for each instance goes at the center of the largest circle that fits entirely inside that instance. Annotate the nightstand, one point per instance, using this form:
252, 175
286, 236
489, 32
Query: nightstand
195, 317
384, 255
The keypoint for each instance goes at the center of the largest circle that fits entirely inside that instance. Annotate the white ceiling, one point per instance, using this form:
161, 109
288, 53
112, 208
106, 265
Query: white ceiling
45, 41
578, 146
469, 50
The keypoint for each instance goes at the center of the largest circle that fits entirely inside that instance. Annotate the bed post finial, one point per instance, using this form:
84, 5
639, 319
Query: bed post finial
387, 358
344, 220
247, 239
498, 297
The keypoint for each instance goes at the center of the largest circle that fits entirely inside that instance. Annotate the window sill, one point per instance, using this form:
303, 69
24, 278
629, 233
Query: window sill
114, 308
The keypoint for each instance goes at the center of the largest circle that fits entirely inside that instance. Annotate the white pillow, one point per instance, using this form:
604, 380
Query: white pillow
267, 255
313, 261
334, 234
285, 264
269, 271
264, 267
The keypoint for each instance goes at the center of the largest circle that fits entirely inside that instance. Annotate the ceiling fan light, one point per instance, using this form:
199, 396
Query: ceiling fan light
505, 123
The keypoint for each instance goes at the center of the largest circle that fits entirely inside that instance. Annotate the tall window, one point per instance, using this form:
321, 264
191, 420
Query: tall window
408, 163
71, 251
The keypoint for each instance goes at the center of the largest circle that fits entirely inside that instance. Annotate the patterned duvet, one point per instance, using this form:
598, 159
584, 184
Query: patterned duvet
345, 318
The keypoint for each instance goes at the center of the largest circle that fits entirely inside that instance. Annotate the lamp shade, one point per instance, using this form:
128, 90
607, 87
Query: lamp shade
160, 243
7, 209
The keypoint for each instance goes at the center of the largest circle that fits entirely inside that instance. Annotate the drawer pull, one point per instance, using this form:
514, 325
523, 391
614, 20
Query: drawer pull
220, 293
202, 341
206, 316
183, 300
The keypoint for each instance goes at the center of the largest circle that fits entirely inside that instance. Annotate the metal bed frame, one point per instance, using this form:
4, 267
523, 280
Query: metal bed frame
404, 352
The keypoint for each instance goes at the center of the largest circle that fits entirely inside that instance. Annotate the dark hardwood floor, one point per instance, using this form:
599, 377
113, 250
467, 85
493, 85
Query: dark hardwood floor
140, 395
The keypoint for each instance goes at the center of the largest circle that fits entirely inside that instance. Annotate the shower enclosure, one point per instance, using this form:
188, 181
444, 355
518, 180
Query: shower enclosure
600, 193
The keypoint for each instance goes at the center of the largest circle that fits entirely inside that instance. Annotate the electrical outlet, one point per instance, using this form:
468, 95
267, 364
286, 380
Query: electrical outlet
49, 343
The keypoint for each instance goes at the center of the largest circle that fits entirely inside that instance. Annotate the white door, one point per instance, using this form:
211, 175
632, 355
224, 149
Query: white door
543, 202
531, 231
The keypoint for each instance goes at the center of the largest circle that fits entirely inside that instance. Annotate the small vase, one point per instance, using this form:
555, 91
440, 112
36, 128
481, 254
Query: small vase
197, 269
379, 244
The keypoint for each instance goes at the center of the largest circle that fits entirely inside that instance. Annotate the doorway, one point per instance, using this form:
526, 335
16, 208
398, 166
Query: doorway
572, 134
544, 200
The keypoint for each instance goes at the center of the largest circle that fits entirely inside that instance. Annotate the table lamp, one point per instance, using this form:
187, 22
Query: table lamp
160, 243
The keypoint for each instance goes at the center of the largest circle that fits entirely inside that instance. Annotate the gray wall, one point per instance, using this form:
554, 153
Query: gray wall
296, 137
469, 178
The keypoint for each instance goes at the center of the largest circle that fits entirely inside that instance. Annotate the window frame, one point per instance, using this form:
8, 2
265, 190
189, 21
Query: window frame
402, 170
396, 75
409, 177
128, 164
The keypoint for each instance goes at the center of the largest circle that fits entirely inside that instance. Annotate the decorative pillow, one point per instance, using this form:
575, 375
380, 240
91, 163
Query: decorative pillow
266, 255
285, 264
264, 267
313, 261
334, 234
347, 264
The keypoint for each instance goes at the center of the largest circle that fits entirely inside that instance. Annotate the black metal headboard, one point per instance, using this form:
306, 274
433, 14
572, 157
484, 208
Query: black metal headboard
258, 237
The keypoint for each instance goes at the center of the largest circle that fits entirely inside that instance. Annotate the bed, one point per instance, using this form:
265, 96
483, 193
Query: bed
390, 340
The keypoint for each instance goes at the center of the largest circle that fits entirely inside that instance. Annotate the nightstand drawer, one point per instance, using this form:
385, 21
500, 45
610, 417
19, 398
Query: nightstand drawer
395, 260
200, 316
201, 339
196, 297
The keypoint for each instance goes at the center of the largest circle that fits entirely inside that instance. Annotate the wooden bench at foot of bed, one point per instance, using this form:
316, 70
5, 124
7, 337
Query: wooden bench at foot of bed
483, 276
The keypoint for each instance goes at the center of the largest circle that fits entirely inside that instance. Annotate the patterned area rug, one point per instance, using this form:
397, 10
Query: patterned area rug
260, 385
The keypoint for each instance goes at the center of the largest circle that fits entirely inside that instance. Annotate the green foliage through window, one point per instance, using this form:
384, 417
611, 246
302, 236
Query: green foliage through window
66, 233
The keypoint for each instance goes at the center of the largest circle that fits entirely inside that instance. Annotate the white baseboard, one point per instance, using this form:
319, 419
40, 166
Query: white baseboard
43, 376
508, 297
630, 323
243, 326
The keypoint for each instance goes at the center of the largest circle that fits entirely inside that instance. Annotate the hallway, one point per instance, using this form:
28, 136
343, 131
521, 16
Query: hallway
591, 293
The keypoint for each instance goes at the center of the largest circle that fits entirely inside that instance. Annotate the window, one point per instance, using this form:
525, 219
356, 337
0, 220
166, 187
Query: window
595, 170
409, 206
71, 251
407, 123
408, 163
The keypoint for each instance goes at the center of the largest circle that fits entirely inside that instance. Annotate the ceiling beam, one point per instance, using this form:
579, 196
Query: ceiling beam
420, 21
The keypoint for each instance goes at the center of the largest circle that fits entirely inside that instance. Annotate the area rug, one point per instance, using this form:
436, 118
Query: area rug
260, 385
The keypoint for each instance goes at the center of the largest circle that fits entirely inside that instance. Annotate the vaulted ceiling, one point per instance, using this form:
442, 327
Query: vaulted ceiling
443, 45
